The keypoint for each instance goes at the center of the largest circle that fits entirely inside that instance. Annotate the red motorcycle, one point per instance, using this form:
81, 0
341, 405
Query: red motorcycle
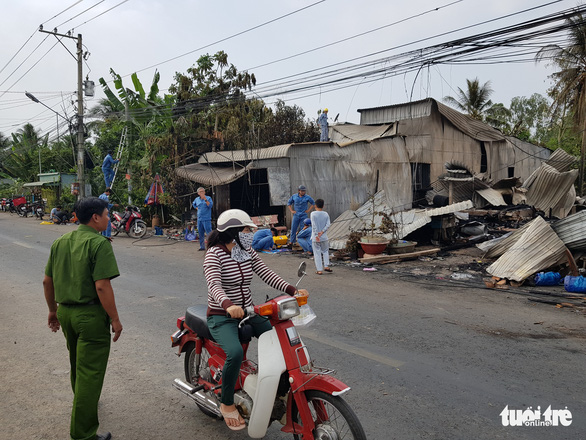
285, 386
134, 227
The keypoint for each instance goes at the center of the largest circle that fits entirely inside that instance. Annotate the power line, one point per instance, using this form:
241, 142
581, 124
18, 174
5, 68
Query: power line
230, 37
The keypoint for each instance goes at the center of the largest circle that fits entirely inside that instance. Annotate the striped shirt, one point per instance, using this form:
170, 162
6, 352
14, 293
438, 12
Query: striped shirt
229, 281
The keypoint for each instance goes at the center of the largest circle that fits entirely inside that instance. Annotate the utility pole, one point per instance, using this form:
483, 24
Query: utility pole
80, 131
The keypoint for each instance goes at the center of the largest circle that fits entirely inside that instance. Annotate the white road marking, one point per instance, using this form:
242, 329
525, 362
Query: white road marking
22, 244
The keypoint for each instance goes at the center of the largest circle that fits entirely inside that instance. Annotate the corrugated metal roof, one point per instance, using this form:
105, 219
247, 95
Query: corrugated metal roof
275, 152
495, 248
547, 187
539, 248
211, 175
492, 196
572, 231
561, 160
475, 129
407, 221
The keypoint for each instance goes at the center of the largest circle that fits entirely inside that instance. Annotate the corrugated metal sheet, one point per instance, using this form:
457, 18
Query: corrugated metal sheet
539, 248
417, 109
495, 248
211, 175
561, 160
492, 196
246, 155
547, 187
347, 134
572, 231
407, 221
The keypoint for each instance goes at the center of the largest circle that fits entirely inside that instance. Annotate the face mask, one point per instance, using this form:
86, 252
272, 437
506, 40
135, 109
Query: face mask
246, 239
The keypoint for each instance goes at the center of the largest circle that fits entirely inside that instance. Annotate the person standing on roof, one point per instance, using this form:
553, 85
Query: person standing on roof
323, 125
300, 205
203, 204
107, 169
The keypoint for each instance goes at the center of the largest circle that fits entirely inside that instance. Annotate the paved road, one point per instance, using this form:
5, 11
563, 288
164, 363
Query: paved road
426, 359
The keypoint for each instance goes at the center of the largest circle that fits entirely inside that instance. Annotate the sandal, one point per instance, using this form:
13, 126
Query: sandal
327, 269
233, 415
319, 273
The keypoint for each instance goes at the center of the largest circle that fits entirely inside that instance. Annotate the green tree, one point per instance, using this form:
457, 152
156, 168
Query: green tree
474, 101
569, 88
26, 151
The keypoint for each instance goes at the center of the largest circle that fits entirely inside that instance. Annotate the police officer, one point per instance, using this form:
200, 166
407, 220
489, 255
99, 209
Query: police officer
300, 205
81, 302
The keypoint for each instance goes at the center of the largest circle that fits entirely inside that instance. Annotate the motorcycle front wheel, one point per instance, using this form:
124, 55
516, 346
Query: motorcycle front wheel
333, 418
137, 229
115, 228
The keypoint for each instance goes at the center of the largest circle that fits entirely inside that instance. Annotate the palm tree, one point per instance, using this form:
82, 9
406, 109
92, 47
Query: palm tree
25, 156
474, 101
570, 81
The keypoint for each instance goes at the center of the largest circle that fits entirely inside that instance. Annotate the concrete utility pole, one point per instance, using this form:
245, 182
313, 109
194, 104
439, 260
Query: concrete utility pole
80, 131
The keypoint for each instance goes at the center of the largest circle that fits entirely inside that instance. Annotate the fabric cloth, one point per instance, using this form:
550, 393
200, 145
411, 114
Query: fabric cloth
304, 239
108, 231
323, 125
77, 260
225, 332
320, 222
263, 239
321, 251
204, 212
241, 254
229, 281
204, 228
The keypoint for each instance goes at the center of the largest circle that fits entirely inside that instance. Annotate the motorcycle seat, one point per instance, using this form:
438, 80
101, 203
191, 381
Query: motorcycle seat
196, 320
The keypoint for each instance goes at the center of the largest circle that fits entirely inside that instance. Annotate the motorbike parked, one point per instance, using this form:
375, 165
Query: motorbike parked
285, 386
134, 227
38, 209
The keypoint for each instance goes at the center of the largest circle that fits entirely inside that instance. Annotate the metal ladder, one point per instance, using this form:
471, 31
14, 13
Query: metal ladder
119, 152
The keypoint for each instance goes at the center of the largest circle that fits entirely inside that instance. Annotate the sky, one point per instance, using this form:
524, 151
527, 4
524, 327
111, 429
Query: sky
167, 36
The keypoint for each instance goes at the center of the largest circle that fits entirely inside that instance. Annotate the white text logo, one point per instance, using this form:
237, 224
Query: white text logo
531, 417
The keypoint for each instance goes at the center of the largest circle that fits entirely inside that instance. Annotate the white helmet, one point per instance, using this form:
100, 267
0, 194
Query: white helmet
234, 218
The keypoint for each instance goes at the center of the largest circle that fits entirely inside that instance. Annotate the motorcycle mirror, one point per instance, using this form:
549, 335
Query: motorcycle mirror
301, 270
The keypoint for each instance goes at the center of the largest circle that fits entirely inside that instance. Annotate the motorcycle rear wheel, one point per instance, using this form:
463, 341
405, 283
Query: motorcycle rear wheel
340, 424
138, 229
192, 367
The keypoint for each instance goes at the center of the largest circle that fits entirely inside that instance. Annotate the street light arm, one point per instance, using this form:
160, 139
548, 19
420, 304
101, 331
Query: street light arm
34, 99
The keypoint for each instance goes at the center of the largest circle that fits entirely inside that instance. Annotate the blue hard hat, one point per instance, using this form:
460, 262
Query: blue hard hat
307, 222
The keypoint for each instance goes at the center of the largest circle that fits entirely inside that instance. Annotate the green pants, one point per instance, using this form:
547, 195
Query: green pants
225, 332
87, 331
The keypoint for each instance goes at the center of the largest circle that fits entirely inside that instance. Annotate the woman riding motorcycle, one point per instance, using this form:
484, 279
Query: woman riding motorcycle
228, 267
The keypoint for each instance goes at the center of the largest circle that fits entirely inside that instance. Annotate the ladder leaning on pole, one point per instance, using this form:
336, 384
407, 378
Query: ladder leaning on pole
119, 154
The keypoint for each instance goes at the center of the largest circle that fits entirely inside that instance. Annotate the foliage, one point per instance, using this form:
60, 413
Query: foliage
353, 242
475, 100
569, 89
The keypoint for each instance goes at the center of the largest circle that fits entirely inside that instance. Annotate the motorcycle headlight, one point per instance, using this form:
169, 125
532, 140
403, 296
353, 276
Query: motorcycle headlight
287, 308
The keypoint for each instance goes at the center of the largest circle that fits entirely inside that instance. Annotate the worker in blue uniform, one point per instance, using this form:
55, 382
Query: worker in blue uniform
107, 168
322, 121
263, 239
300, 205
204, 205
304, 236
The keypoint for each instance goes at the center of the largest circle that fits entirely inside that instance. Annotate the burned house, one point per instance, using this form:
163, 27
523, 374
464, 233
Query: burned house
401, 149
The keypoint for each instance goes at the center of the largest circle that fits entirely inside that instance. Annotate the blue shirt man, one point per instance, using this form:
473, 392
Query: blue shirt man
203, 204
107, 169
300, 205
323, 125
304, 236
106, 196
263, 239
